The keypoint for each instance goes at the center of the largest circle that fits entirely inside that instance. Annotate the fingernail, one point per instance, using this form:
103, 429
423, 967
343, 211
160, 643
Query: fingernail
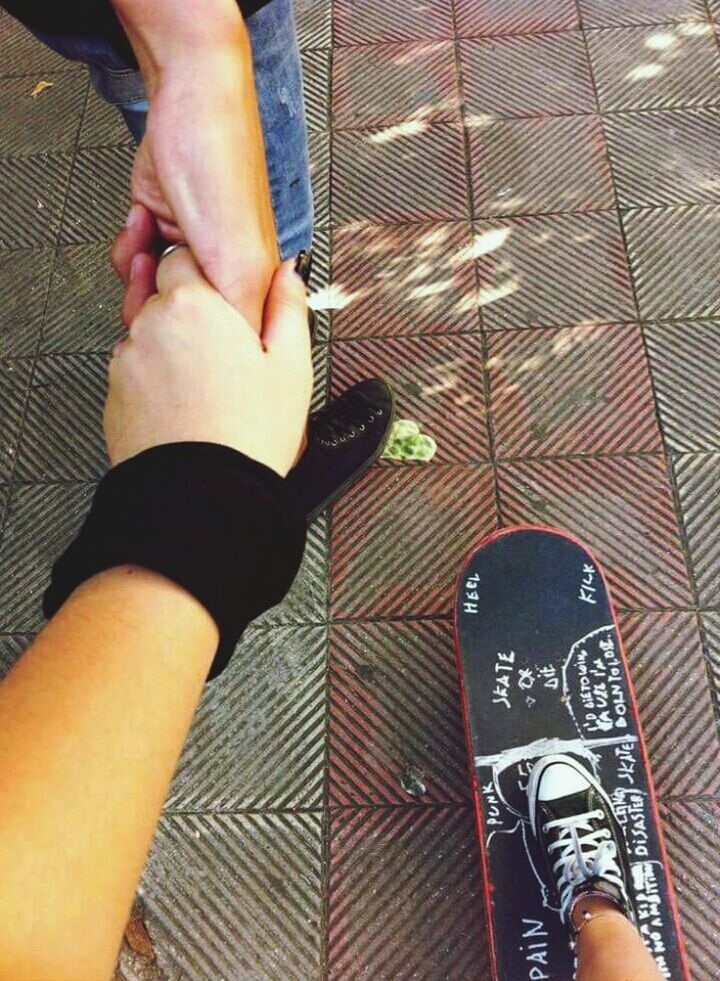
303, 265
134, 266
134, 216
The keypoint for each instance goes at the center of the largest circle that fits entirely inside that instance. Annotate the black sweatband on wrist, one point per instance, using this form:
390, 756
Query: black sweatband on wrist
224, 527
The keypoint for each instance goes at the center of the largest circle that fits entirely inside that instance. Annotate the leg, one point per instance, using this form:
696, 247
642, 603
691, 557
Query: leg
609, 948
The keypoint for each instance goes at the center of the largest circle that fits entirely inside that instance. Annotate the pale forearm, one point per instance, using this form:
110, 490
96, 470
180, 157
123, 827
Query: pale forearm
93, 718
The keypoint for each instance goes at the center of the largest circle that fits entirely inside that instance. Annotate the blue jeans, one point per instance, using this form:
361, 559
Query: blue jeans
278, 80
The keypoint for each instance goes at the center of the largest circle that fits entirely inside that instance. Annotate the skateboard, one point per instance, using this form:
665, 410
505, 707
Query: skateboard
542, 670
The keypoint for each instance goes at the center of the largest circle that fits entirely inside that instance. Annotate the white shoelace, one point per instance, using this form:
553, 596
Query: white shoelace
582, 856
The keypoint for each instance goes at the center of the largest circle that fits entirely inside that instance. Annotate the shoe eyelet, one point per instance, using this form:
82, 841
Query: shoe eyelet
334, 442
544, 829
361, 427
379, 412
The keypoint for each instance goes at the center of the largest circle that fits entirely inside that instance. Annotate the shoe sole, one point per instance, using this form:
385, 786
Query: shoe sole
361, 471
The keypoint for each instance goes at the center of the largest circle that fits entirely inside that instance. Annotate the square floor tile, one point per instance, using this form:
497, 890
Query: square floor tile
24, 278
399, 536
698, 483
540, 166
514, 16
307, 600
367, 21
438, 383
313, 23
258, 739
12, 647
407, 176
99, 194
384, 84
669, 675
621, 508
685, 362
31, 124
236, 896
41, 521
403, 279
316, 88
545, 272
14, 383
691, 835
32, 199
662, 158
572, 390
395, 723
63, 434
83, 308
103, 124
422, 917
632, 74
673, 253
22, 54
616, 13
525, 76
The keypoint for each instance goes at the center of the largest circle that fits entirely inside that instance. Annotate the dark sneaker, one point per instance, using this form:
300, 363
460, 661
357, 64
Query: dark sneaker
344, 440
575, 825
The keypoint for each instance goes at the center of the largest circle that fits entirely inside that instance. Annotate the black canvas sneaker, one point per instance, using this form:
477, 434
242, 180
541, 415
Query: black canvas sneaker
575, 825
344, 440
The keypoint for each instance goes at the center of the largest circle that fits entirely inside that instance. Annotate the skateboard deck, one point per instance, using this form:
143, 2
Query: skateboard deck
542, 670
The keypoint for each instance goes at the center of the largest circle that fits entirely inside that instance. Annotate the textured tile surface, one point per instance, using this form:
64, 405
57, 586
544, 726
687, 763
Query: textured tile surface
514, 16
665, 158
676, 703
405, 175
403, 279
48, 119
436, 384
23, 54
631, 73
395, 726
544, 272
422, 917
98, 196
685, 361
552, 392
691, 832
32, 199
698, 482
612, 13
14, 382
24, 278
622, 508
672, 255
526, 76
540, 166
235, 896
380, 85
399, 535
375, 20
258, 741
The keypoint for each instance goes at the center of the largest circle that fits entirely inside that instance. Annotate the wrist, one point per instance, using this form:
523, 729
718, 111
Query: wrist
169, 37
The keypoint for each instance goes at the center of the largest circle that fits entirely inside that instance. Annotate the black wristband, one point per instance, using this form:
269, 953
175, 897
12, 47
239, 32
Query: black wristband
224, 527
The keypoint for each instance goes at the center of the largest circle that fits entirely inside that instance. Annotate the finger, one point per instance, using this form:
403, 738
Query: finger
285, 321
178, 269
141, 286
137, 236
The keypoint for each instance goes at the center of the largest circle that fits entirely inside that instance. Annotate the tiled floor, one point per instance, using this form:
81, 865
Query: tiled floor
519, 213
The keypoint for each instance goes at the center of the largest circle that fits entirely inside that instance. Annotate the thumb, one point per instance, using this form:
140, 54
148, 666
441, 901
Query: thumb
285, 320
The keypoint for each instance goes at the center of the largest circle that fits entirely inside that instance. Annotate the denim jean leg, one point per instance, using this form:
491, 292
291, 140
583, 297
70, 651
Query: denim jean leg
278, 81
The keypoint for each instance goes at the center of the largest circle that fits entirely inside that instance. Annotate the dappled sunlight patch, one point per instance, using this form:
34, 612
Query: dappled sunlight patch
332, 297
695, 28
643, 72
491, 294
431, 289
411, 127
661, 41
484, 243
479, 120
